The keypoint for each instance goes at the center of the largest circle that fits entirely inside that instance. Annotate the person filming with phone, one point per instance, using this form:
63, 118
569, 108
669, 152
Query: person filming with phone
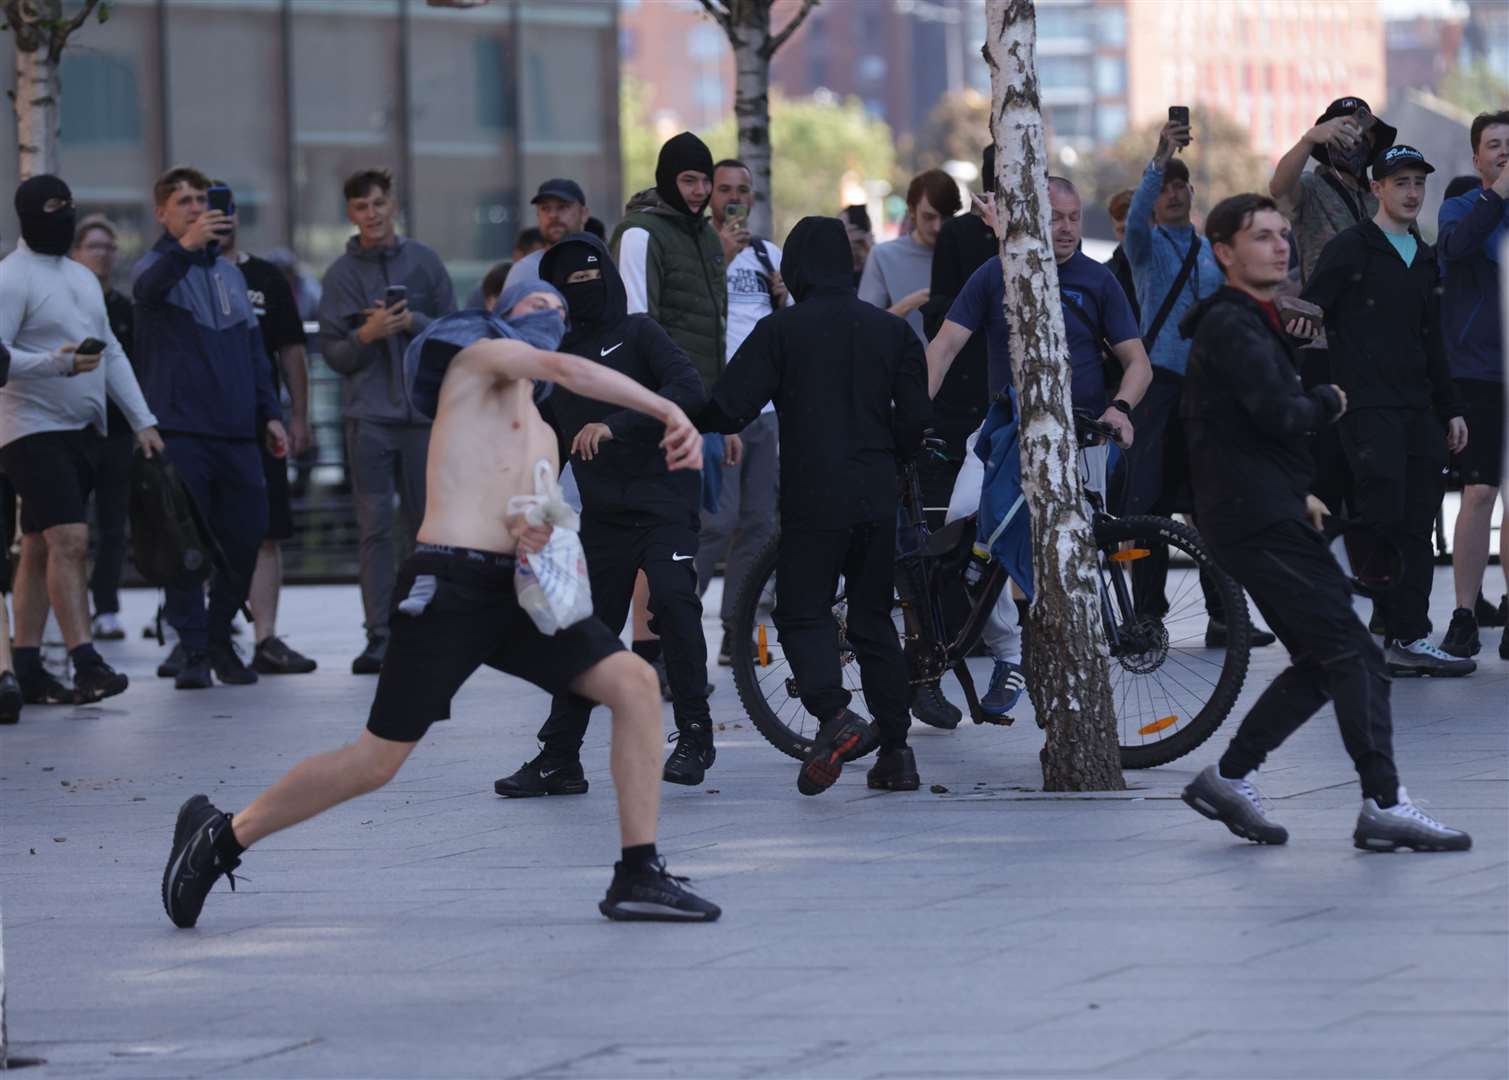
200, 357
376, 298
64, 364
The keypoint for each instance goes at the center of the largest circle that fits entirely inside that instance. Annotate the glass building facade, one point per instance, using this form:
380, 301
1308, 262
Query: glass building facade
470, 109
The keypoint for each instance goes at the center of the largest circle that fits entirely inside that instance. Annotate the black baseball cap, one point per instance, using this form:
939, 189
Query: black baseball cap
1397, 158
560, 188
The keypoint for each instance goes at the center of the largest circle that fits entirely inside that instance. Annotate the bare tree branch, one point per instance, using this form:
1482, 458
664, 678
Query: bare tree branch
779, 39
60, 34
723, 16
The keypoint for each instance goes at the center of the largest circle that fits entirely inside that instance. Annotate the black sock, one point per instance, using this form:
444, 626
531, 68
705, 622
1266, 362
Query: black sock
226, 845
1230, 771
28, 660
648, 650
84, 656
638, 857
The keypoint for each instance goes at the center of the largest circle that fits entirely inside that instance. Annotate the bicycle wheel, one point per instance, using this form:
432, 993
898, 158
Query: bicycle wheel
1170, 691
762, 674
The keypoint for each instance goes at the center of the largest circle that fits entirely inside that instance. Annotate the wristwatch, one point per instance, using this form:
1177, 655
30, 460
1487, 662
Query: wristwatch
1117, 403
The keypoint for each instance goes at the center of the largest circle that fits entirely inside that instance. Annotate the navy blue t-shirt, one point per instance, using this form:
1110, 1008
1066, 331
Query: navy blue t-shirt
1089, 284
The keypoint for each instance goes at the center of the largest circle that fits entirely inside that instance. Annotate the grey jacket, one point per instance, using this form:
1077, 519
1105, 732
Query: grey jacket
373, 387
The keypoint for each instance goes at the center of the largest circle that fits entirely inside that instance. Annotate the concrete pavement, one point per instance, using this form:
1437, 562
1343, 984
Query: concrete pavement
984, 931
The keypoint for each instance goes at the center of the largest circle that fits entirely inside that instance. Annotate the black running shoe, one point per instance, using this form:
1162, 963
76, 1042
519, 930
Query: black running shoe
693, 756
228, 666
42, 688
170, 667
194, 674
274, 657
1216, 636
369, 660
933, 709
1490, 616
649, 894
194, 865
10, 699
894, 770
1462, 638
544, 775
842, 739
97, 681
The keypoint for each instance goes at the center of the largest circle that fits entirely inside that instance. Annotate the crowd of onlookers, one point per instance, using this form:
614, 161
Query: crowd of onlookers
202, 360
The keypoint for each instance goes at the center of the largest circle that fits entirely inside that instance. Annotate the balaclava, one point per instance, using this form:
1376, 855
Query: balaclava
586, 300
683, 153
44, 233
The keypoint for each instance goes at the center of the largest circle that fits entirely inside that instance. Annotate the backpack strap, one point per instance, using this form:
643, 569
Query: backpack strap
1167, 306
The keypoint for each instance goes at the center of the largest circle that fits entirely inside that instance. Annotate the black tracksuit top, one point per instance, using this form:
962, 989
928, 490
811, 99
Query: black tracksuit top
1247, 418
627, 482
1383, 323
848, 380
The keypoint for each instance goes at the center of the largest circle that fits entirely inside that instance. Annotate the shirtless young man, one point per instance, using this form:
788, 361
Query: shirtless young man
459, 611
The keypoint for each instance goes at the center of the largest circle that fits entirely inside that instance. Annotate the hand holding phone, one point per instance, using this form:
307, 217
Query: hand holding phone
86, 355
394, 295
1178, 114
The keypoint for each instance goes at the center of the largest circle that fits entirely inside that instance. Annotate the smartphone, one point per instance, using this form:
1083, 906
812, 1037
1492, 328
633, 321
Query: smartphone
1178, 114
737, 213
90, 346
1292, 307
394, 295
220, 199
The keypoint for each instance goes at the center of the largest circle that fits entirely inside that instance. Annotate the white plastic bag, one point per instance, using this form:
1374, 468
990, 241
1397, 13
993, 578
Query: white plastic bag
551, 584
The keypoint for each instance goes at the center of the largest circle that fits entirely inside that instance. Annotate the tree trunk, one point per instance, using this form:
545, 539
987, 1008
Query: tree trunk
750, 40
37, 113
1068, 666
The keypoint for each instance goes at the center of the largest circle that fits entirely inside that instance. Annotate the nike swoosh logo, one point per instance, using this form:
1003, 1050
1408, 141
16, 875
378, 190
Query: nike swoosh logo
547, 775
680, 558
605, 352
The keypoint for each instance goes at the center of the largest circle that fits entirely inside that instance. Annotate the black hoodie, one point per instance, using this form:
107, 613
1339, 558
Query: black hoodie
848, 380
1247, 418
627, 481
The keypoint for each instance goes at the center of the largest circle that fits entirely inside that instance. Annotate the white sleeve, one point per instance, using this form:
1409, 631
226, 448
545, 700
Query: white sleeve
633, 257
24, 363
775, 261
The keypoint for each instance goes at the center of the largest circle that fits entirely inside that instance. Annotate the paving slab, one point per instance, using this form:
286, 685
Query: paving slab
989, 930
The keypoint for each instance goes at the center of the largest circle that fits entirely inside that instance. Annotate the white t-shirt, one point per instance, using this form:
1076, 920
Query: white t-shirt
748, 299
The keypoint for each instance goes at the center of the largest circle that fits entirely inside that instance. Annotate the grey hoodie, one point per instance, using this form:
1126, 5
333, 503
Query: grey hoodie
373, 387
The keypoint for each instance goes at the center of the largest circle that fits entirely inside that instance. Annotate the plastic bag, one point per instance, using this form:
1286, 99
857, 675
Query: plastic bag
551, 584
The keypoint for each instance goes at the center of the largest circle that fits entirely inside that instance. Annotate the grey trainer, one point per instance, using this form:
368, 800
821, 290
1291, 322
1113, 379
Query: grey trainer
1235, 804
1421, 658
1404, 825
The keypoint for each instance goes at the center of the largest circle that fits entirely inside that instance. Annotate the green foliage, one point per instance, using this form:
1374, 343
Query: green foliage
1476, 88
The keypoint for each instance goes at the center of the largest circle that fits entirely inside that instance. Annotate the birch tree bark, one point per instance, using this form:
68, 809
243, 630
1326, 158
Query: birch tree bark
747, 26
41, 29
1068, 665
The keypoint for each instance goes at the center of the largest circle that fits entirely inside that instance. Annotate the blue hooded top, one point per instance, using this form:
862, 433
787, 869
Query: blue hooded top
429, 355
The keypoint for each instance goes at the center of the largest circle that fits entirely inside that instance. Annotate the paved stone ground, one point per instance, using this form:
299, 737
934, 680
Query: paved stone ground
434, 930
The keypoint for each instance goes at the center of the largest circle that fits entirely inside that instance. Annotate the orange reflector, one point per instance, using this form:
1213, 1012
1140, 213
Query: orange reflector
1158, 725
1130, 555
762, 646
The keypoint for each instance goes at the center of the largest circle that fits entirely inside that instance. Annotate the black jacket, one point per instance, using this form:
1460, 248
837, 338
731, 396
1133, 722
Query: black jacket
849, 384
627, 481
1247, 419
1122, 268
965, 243
1383, 323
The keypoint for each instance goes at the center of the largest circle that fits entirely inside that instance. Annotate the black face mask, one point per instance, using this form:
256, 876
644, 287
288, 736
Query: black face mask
44, 233
587, 301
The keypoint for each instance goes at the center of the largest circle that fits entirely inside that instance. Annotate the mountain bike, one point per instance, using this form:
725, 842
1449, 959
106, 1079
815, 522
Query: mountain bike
1170, 691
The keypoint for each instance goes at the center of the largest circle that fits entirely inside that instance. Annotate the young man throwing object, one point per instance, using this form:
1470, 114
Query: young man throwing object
458, 609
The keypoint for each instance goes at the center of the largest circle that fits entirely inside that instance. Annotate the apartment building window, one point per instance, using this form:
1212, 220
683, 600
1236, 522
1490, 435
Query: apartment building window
1062, 72
1065, 21
1113, 27
1110, 76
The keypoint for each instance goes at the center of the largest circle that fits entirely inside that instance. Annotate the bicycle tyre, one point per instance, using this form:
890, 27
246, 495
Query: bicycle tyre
1110, 534
745, 663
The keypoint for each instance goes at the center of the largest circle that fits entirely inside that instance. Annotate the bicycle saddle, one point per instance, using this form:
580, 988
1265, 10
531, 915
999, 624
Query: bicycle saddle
950, 538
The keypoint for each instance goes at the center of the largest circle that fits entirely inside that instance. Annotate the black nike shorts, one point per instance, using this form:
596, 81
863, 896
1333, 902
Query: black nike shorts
1483, 460
455, 610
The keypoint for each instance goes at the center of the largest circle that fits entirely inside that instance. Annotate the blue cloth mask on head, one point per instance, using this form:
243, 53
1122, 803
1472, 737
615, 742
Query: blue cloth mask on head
429, 355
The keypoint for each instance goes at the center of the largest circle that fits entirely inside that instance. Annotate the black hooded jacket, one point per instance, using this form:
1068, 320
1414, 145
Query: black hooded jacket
1383, 323
627, 481
1247, 418
849, 384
